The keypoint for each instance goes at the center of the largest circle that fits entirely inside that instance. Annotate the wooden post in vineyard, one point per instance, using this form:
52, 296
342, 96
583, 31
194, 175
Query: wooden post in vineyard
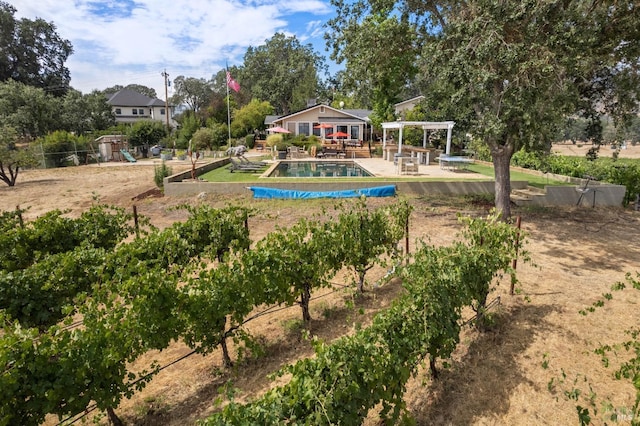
514, 264
19, 212
135, 221
406, 240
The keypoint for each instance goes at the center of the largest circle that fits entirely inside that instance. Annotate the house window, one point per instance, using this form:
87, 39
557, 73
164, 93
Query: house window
355, 132
134, 111
322, 110
303, 129
316, 132
141, 111
161, 111
118, 111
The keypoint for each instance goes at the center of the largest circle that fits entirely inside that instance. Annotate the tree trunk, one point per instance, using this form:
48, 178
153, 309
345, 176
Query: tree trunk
361, 275
113, 418
226, 359
432, 368
305, 297
10, 175
501, 155
480, 313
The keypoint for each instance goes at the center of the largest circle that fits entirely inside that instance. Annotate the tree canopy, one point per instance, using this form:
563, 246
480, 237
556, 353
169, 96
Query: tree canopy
32, 52
143, 90
510, 72
283, 72
250, 117
86, 113
146, 132
29, 110
381, 79
195, 92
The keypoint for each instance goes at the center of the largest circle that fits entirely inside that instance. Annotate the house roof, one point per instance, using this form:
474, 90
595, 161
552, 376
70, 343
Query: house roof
127, 97
411, 101
358, 114
269, 119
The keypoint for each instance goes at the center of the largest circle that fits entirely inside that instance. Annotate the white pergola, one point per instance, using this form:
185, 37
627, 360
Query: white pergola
425, 125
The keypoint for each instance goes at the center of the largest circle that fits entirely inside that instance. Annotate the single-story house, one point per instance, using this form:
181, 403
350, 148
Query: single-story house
129, 106
323, 120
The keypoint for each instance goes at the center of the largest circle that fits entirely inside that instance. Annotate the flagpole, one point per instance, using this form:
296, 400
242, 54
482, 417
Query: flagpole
228, 109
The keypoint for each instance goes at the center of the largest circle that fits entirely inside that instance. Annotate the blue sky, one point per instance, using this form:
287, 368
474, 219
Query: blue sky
134, 41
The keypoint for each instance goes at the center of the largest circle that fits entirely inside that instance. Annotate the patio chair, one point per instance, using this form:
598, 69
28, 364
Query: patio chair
409, 165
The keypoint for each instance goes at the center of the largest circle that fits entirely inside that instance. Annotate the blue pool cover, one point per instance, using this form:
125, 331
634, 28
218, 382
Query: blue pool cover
377, 191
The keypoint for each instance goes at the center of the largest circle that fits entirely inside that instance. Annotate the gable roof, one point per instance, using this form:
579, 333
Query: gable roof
269, 119
359, 114
127, 97
411, 101
408, 104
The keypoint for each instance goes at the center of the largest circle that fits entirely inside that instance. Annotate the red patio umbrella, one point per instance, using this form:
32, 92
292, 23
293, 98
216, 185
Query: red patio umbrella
277, 129
323, 126
339, 135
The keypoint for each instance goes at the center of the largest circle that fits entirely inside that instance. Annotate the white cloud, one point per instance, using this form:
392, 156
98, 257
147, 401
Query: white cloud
123, 42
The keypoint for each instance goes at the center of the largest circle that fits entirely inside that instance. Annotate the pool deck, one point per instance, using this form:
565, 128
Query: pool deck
427, 179
383, 168
377, 166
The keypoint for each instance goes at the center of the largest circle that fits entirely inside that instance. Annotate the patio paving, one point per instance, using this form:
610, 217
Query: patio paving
383, 168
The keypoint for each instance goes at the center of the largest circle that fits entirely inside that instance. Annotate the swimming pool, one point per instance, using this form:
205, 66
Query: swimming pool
319, 169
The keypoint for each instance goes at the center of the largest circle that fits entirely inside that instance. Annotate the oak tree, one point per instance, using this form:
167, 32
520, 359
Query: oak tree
32, 52
510, 72
12, 157
283, 72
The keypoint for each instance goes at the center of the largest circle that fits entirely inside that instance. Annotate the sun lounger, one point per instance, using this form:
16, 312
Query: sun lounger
245, 160
238, 166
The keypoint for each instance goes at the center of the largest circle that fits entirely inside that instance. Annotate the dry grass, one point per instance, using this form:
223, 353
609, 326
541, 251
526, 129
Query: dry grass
496, 377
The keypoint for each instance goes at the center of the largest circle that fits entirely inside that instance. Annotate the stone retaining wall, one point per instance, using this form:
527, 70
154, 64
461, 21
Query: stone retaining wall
181, 184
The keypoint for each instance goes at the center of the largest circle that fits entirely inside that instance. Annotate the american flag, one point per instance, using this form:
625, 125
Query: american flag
232, 83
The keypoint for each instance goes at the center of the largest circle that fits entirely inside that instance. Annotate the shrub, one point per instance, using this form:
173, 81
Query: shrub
273, 140
282, 146
249, 140
146, 132
59, 145
529, 160
161, 172
203, 138
480, 149
220, 135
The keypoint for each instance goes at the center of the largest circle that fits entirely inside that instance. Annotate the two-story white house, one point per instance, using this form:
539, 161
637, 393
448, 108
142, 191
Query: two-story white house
129, 106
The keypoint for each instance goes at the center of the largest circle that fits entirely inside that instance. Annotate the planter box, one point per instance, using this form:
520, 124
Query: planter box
166, 156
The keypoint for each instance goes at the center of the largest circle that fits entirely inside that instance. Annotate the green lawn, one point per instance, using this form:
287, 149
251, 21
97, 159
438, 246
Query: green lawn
223, 174
534, 180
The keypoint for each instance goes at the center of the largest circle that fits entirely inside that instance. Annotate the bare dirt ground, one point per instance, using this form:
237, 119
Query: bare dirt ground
580, 150
496, 377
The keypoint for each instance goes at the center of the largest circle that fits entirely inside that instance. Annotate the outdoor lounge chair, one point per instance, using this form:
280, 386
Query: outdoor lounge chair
238, 166
245, 160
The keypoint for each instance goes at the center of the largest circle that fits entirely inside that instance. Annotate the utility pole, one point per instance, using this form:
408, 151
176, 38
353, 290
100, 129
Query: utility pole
166, 104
